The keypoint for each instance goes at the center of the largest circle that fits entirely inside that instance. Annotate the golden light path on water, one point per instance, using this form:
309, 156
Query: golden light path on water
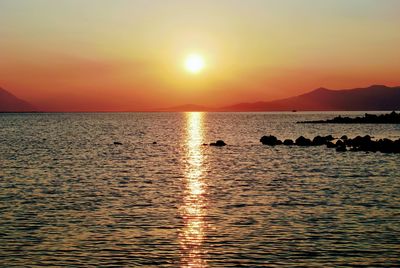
194, 203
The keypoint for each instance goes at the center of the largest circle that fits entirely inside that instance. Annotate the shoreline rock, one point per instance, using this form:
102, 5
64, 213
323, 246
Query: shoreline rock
357, 144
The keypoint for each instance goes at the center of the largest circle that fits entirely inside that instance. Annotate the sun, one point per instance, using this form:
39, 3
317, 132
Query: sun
194, 63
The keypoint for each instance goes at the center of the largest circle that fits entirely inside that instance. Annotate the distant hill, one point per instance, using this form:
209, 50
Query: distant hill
373, 98
10, 103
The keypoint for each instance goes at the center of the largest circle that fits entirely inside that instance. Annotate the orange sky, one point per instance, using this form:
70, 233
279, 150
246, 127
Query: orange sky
128, 55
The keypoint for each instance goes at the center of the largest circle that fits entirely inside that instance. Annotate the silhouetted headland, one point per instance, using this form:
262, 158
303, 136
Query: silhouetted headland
392, 118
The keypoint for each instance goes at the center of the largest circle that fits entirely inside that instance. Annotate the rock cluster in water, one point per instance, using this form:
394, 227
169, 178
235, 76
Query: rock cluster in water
364, 144
392, 118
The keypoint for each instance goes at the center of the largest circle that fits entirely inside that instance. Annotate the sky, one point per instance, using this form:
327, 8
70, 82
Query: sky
101, 55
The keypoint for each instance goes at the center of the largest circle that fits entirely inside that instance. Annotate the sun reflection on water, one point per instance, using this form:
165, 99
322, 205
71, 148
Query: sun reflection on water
193, 210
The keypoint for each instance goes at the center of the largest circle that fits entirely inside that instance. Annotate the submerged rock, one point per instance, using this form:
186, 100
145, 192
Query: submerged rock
117, 143
219, 143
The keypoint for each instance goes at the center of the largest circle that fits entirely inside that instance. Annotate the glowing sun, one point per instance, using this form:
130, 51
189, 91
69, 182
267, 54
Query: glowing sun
194, 63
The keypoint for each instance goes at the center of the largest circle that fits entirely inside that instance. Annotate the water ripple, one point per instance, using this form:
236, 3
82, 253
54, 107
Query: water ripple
70, 197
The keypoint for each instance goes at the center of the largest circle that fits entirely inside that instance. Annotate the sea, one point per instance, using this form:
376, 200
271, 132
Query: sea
160, 197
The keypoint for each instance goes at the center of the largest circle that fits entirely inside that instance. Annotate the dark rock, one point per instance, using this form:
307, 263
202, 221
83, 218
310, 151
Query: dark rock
367, 137
356, 141
219, 143
348, 142
330, 144
365, 140
288, 142
396, 146
369, 146
318, 141
340, 143
154, 142
359, 141
301, 141
386, 146
329, 138
269, 140
117, 143
341, 149
344, 137
366, 144
279, 142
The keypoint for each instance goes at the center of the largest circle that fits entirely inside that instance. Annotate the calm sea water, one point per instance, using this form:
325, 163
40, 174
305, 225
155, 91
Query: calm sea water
70, 197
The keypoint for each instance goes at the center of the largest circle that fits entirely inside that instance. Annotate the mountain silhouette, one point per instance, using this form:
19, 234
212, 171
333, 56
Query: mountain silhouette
373, 98
10, 103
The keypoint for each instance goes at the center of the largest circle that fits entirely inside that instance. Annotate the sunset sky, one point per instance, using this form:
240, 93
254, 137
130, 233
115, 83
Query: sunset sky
130, 54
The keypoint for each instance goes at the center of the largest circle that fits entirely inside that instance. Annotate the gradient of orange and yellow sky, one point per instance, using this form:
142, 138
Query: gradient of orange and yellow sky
128, 54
